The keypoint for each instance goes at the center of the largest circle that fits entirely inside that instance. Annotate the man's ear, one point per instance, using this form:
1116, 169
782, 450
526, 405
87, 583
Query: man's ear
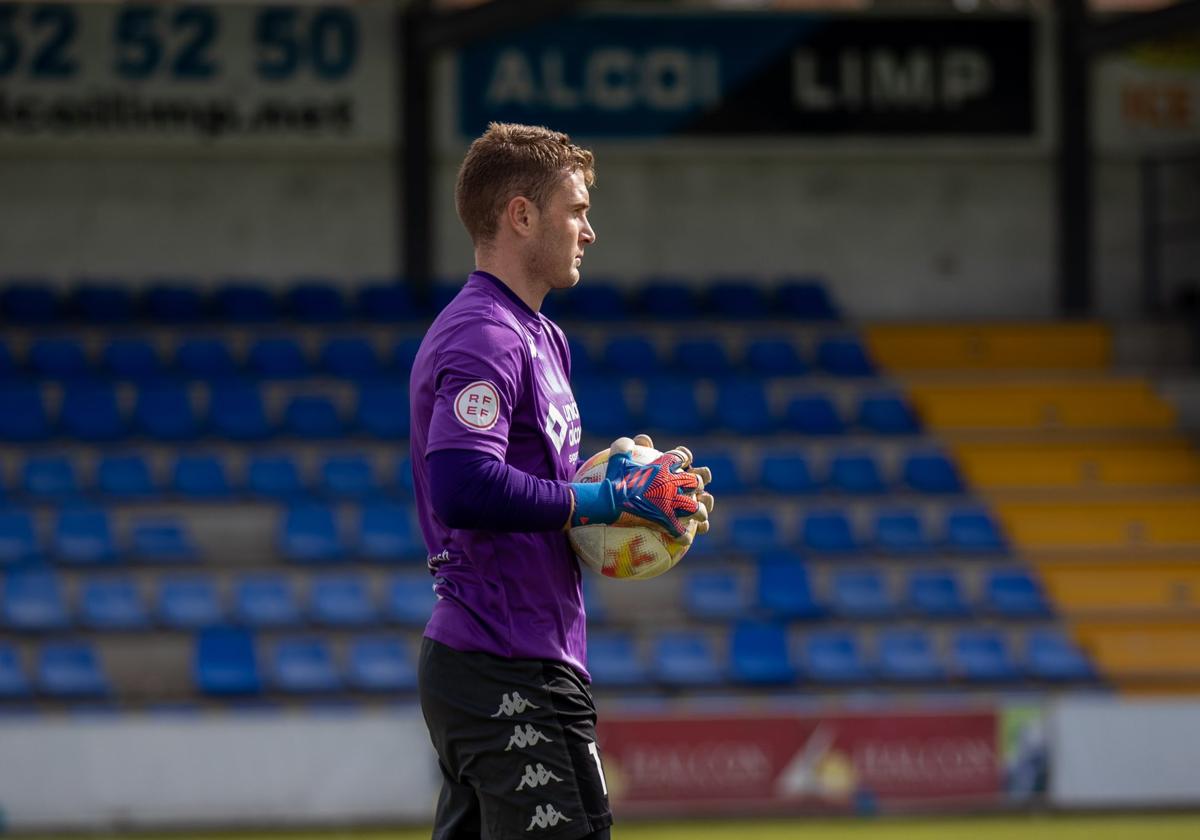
522, 215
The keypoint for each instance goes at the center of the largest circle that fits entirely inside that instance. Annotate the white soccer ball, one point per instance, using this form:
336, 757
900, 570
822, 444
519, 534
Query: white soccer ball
629, 552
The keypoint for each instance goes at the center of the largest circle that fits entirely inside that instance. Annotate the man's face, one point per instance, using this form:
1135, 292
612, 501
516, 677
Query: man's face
563, 232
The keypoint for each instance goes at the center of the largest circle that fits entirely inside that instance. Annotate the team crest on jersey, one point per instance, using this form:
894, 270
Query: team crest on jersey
477, 406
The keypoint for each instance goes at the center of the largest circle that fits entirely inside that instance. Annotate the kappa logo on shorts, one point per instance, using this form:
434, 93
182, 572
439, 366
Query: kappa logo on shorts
525, 737
536, 777
546, 816
513, 704
477, 406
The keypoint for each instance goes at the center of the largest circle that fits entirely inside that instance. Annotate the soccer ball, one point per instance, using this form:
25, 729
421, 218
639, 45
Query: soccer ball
629, 552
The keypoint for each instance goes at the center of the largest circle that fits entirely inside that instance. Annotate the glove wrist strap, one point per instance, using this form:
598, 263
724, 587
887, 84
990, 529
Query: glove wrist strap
594, 504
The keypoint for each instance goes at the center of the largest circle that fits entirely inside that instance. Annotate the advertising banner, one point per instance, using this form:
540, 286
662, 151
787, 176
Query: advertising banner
1148, 97
726, 75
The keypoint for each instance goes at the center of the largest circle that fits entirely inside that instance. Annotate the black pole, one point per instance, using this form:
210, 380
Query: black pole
1074, 169
415, 190
1149, 172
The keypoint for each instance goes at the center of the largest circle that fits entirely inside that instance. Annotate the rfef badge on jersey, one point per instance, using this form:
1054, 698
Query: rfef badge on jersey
477, 406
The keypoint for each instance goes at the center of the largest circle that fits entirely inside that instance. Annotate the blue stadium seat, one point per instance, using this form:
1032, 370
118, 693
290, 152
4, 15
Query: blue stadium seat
759, 654
901, 531
50, 478
189, 602
937, 594
124, 477
162, 539
804, 299
241, 302
597, 300
582, 363
304, 666
706, 357
277, 358
667, 298
347, 357
738, 298
266, 600
908, 656
631, 355
174, 303
316, 302
200, 477
342, 600
14, 682
8, 365
844, 355
312, 416
788, 472
29, 301
134, 359
714, 594
983, 656
614, 661
386, 303
1014, 593
672, 404
829, 532
112, 603
71, 669
813, 414
225, 662
887, 414
24, 417
236, 411
383, 410
773, 356
603, 407
386, 534
103, 303
381, 663
973, 530
686, 659
33, 600
857, 473
404, 476
931, 472
744, 408
164, 411
208, 359
58, 358
83, 536
409, 599
835, 656
18, 537
784, 590
404, 353
309, 534
861, 593
444, 291
754, 532
1051, 656
274, 477
727, 471
90, 412
348, 477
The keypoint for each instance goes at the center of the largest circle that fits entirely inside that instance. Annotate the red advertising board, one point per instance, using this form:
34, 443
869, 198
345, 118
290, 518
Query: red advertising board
801, 762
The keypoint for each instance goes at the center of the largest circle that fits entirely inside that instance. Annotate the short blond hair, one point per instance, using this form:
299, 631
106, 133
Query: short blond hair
510, 160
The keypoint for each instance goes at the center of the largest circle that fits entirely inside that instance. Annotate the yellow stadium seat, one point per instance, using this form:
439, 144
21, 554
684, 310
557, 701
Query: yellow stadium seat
1143, 651
1165, 522
1123, 590
923, 347
1062, 466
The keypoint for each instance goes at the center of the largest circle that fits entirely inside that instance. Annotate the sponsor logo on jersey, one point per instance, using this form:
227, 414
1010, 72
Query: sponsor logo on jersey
546, 816
536, 777
513, 704
525, 736
477, 406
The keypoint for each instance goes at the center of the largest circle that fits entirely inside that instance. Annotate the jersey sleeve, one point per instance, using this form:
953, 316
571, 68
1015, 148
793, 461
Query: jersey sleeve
479, 383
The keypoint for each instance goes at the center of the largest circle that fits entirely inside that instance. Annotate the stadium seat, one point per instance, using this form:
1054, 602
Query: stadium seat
386, 303
931, 473
983, 656
861, 594
1014, 593
225, 662
887, 414
700, 357
937, 594
582, 363
404, 476
844, 356
24, 418
266, 600
753, 532
744, 408
133, 359
50, 478
828, 532
596, 300
908, 656
614, 661
773, 356
58, 358
713, 594
83, 536
33, 600
686, 659
189, 602
274, 477
112, 603
1051, 656
603, 407
208, 359
409, 599
787, 471
162, 539
304, 666
341, 601
973, 530
835, 656
172, 303
381, 663
238, 302
856, 473
804, 300
18, 537
90, 412
29, 301
8, 365
14, 682
346, 357
383, 410
316, 302
813, 414
102, 303
309, 534
71, 669
277, 358
386, 534
672, 404
124, 477
631, 355
667, 298
783, 588
200, 477
236, 411
164, 411
348, 477
737, 298
727, 471
312, 416
404, 353
759, 654
444, 291
901, 531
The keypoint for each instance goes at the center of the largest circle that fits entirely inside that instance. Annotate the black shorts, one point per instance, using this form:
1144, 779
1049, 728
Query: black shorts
516, 741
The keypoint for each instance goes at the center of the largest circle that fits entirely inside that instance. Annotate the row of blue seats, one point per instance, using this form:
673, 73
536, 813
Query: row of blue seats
784, 589
34, 601
858, 471
763, 654
323, 301
355, 358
